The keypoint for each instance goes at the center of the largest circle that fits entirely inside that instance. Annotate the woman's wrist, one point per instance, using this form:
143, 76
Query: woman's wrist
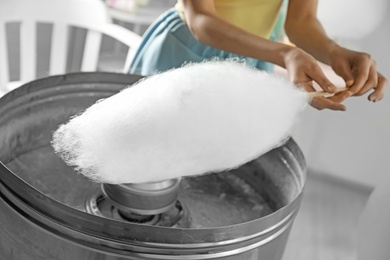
282, 53
329, 52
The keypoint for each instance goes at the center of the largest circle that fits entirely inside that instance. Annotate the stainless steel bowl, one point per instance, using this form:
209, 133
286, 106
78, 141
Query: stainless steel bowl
246, 213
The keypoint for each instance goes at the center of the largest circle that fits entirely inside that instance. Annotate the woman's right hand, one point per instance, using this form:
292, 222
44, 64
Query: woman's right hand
303, 70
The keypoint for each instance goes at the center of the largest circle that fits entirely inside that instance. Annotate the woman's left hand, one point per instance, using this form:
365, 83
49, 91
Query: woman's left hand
359, 72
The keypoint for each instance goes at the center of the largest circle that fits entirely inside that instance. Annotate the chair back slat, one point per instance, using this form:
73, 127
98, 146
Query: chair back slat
4, 71
59, 49
91, 51
28, 51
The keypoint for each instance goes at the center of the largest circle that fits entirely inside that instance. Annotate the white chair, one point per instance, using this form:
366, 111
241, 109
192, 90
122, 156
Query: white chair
137, 14
63, 15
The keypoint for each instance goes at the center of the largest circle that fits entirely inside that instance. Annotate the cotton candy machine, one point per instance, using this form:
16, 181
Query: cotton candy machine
47, 211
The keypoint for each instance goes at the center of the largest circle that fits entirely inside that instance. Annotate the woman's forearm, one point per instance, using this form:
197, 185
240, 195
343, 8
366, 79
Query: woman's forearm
219, 34
305, 31
311, 37
208, 28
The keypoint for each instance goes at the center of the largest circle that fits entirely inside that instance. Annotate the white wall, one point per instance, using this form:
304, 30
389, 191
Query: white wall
353, 145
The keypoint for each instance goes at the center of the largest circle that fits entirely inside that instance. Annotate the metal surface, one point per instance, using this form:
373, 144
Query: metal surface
176, 216
243, 214
144, 198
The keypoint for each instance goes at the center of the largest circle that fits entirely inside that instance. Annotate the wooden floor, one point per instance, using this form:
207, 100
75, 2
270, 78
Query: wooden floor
325, 228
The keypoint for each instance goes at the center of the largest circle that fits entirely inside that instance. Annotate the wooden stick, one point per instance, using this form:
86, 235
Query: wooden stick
324, 93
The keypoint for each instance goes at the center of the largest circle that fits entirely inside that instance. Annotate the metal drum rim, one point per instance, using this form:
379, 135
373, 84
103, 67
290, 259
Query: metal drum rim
90, 224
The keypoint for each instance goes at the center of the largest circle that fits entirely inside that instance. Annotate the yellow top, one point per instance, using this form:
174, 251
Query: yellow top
255, 16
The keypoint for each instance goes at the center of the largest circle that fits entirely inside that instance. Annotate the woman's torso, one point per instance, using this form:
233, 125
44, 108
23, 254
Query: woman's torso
255, 16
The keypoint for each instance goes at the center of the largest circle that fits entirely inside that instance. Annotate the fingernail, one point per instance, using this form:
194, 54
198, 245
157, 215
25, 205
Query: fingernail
349, 83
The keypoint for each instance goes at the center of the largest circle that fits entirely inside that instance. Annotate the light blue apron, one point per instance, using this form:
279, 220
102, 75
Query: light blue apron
168, 44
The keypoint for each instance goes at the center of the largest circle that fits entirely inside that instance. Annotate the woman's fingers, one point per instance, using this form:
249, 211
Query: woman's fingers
315, 74
372, 81
303, 68
307, 86
340, 97
318, 76
379, 91
321, 103
332, 103
361, 69
343, 69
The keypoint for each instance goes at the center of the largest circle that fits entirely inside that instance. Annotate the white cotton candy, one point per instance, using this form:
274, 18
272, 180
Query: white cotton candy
198, 119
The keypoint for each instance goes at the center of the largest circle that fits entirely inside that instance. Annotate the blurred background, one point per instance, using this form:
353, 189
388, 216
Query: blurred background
346, 152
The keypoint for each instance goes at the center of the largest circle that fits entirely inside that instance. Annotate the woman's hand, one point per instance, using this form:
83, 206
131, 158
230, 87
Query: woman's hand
359, 72
356, 68
303, 71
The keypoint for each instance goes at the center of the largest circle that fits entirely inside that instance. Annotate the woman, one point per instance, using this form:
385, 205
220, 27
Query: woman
198, 30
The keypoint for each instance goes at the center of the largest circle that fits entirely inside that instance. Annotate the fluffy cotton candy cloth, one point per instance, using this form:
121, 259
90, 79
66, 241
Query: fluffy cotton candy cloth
193, 120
